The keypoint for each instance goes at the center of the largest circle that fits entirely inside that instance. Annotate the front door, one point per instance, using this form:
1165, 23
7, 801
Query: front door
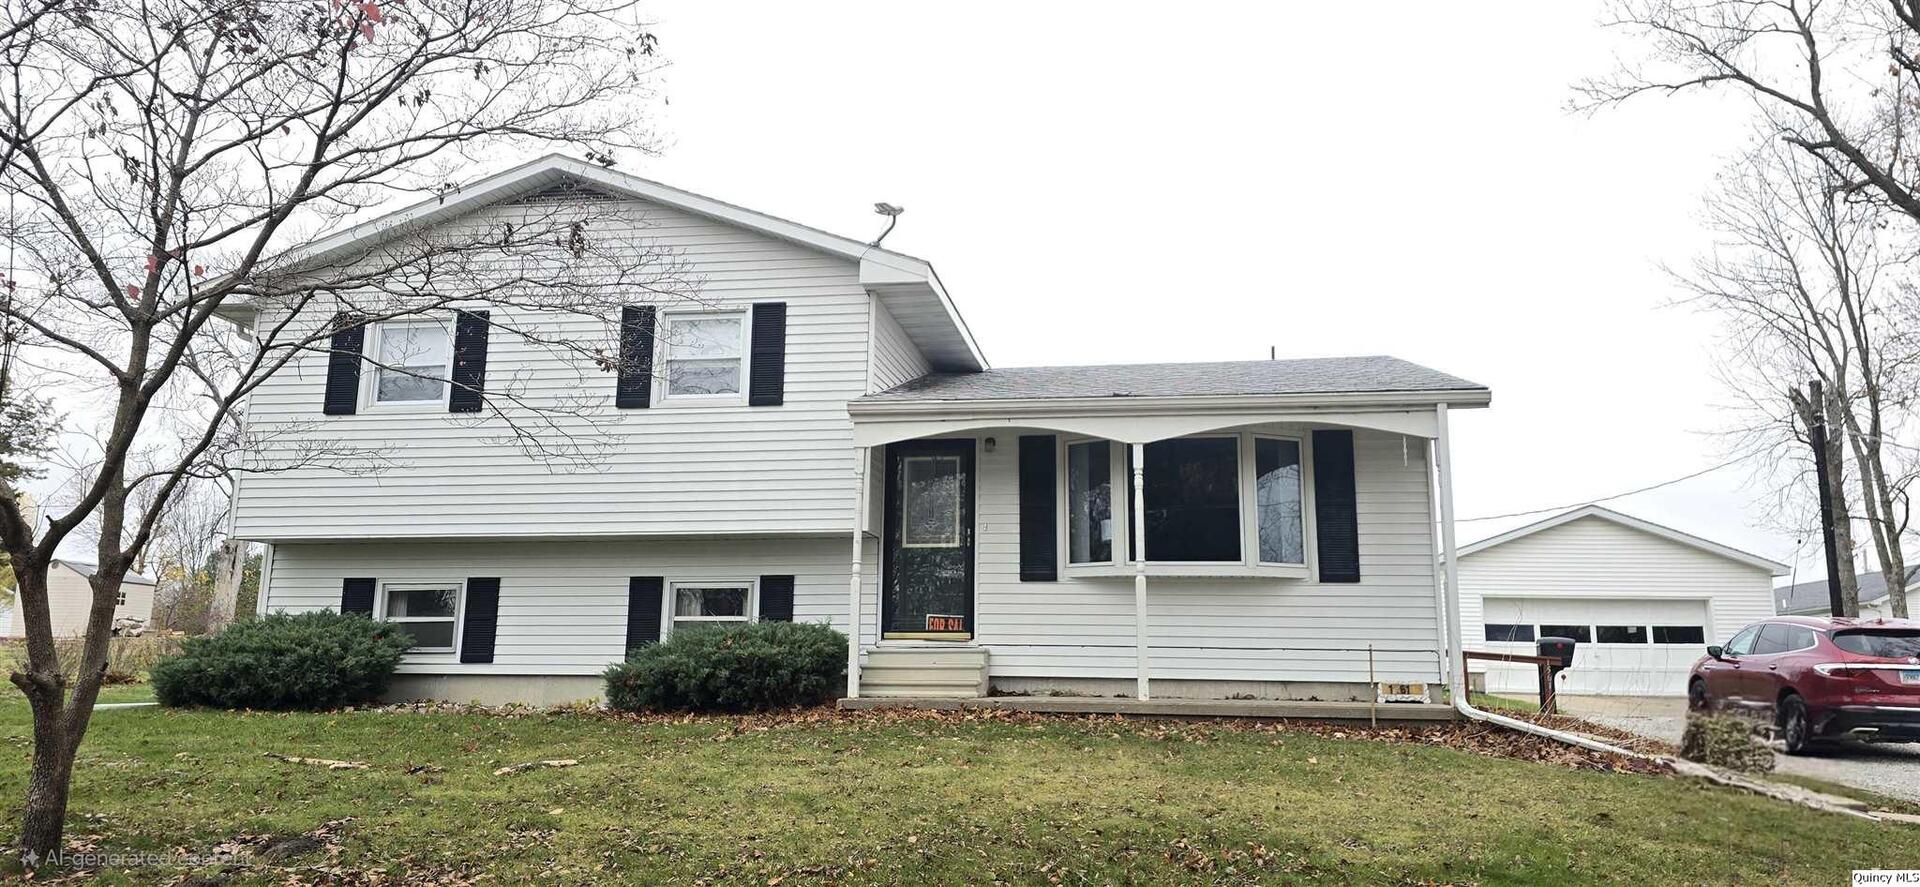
927, 588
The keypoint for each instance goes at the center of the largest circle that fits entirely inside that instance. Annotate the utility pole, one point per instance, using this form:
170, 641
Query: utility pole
1817, 436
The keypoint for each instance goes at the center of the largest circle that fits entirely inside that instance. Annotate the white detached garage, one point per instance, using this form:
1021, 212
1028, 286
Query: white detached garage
1643, 600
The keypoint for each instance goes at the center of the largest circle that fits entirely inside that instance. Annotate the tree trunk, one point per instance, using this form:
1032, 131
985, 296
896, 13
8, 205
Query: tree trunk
229, 567
1836, 458
43, 817
1836, 465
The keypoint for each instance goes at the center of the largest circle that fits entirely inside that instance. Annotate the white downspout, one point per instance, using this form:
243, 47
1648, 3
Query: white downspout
853, 572
1443, 457
1137, 505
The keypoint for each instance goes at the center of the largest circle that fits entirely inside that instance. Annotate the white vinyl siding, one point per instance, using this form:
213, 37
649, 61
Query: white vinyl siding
563, 605
693, 469
1216, 629
1594, 571
896, 359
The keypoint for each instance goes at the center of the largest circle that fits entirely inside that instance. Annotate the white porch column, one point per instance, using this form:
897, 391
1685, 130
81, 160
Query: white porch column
1139, 516
853, 572
1443, 450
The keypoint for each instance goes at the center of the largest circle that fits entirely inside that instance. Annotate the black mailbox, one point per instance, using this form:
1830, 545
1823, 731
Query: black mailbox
1556, 648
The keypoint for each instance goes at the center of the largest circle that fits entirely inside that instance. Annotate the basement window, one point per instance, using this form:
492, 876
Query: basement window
426, 611
710, 602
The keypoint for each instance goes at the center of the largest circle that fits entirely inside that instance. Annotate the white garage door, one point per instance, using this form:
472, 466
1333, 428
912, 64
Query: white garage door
1627, 647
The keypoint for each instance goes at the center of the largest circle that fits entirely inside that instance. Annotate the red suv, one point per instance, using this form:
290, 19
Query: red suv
1818, 678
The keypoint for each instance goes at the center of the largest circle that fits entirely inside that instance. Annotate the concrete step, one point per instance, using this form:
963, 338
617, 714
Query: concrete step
975, 657
915, 691
938, 672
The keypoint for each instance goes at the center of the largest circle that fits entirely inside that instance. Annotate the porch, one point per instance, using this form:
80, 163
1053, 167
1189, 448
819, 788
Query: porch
1005, 532
1265, 709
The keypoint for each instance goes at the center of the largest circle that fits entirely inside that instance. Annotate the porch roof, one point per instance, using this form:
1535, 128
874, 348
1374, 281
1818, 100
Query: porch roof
1321, 375
1142, 403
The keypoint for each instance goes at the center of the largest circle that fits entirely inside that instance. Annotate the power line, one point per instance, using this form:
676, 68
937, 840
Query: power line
1665, 483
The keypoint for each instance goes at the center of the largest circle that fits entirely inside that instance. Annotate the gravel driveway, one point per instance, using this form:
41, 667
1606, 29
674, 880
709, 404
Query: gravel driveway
1892, 770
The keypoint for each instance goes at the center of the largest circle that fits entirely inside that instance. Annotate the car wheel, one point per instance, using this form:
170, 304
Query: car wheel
1795, 729
1697, 696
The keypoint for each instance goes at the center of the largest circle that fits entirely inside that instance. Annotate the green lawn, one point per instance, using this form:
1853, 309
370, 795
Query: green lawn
877, 799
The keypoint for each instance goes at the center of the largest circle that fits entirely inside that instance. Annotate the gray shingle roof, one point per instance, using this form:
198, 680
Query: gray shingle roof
1319, 375
1810, 597
86, 569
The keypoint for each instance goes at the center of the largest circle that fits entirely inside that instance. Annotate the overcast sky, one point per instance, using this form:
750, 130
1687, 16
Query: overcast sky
1126, 182
1114, 182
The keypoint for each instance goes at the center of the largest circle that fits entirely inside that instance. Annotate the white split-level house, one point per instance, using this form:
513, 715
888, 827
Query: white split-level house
819, 438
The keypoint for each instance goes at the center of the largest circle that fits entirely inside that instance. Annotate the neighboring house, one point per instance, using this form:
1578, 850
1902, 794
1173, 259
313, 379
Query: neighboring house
70, 595
1642, 600
1811, 598
860, 465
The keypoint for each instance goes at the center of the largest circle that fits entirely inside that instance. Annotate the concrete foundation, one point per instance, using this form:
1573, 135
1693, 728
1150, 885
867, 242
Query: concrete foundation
1163, 688
496, 689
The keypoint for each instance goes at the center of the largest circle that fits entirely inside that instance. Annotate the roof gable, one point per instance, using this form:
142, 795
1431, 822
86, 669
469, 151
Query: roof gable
1626, 520
898, 280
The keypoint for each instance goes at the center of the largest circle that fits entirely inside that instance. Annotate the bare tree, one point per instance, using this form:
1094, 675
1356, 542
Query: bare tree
1836, 79
1811, 286
157, 157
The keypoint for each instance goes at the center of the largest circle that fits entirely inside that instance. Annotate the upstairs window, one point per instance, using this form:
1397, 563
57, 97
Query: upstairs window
702, 355
412, 360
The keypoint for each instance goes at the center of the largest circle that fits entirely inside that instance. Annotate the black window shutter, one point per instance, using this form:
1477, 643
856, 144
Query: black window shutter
635, 387
469, 361
356, 596
1336, 515
643, 610
1039, 531
767, 377
776, 599
481, 621
343, 365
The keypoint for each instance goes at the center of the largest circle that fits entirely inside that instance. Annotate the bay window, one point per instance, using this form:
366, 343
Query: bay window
1213, 502
1090, 502
1193, 499
1279, 503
